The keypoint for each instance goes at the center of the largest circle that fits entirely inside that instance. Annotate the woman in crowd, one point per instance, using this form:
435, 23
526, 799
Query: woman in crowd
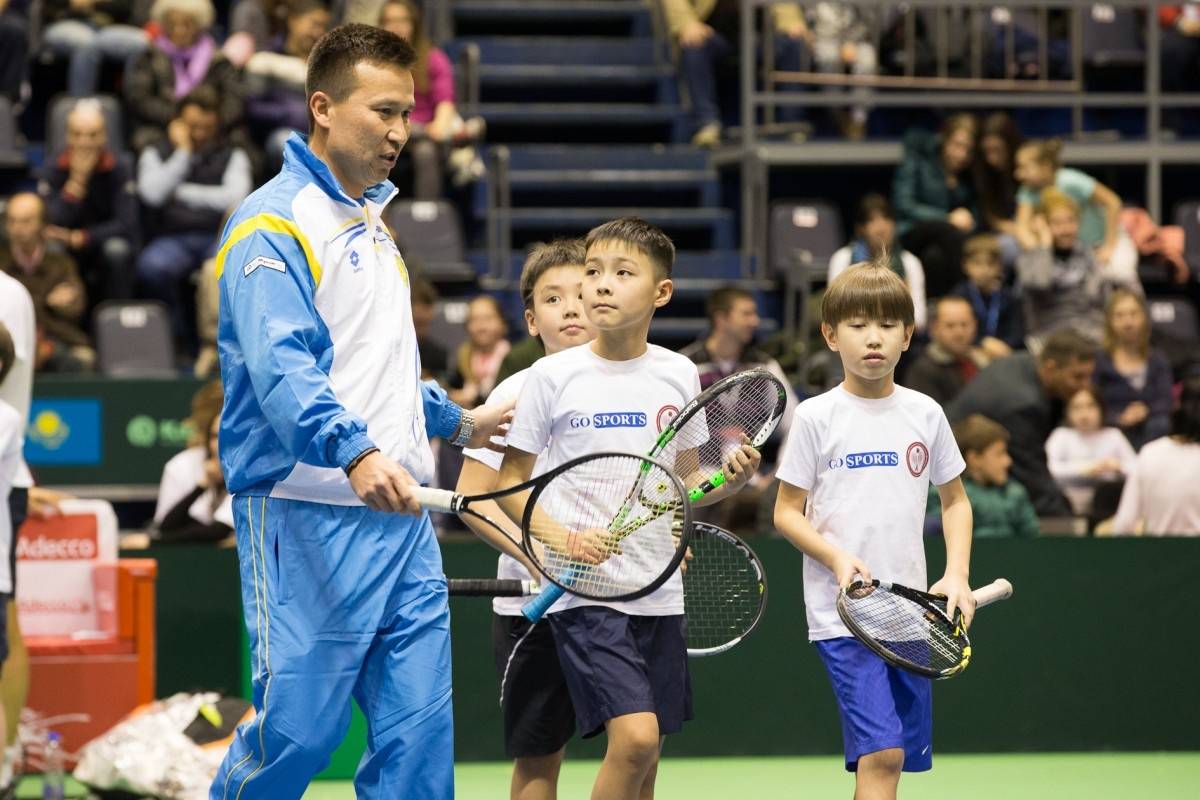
1134, 379
193, 505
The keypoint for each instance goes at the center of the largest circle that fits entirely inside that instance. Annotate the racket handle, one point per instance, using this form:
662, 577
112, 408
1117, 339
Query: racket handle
536, 608
469, 587
435, 499
999, 589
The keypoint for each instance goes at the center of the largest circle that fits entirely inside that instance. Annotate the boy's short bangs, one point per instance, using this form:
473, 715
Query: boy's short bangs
545, 257
636, 236
869, 290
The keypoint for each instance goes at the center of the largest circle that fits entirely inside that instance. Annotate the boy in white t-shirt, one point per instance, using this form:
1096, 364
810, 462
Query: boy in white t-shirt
538, 717
625, 663
12, 436
862, 455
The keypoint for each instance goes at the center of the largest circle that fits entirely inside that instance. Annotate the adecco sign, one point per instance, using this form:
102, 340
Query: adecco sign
66, 577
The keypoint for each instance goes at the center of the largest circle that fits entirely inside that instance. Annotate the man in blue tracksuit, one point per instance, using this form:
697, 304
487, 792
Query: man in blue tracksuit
325, 428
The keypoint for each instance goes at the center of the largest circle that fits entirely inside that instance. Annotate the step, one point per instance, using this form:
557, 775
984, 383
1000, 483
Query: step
557, 51
613, 157
580, 113
717, 224
552, 17
535, 75
694, 270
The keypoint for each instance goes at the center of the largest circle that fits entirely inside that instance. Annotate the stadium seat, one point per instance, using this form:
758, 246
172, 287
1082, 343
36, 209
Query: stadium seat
1175, 317
1187, 216
56, 122
1112, 37
134, 338
803, 236
430, 234
11, 154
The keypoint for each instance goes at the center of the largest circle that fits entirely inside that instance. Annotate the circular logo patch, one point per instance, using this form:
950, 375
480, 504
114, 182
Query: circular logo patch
664, 416
917, 458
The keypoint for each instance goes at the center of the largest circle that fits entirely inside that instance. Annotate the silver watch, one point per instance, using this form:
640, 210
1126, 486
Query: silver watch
466, 428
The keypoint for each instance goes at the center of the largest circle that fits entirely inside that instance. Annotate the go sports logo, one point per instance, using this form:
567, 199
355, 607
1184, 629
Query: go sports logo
611, 419
878, 458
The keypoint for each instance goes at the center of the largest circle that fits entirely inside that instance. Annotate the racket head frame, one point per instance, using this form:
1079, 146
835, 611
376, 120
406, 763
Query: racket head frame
701, 400
708, 529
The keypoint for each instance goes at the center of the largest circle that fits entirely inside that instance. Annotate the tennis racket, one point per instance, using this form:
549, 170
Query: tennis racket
740, 409
724, 591
491, 587
909, 628
567, 525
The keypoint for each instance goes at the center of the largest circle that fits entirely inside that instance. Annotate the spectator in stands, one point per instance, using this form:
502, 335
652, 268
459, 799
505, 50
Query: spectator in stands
182, 58
253, 25
1083, 455
935, 200
435, 358
998, 314
188, 181
1025, 395
707, 32
843, 40
1000, 506
1179, 49
995, 181
729, 346
1038, 168
14, 48
1060, 279
275, 101
874, 235
52, 280
1134, 380
944, 368
439, 133
1160, 497
89, 32
477, 362
91, 208
192, 502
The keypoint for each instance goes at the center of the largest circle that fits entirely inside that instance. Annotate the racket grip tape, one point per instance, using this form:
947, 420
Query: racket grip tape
995, 591
489, 587
536, 608
435, 499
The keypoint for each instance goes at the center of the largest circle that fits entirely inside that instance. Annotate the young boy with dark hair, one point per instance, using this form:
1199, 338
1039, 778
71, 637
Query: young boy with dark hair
1000, 506
538, 716
854, 475
997, 307
625, 663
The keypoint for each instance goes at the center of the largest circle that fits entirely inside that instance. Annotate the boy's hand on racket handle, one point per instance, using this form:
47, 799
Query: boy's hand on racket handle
742, 465
846, 566
383, 484
591, 546
958, 596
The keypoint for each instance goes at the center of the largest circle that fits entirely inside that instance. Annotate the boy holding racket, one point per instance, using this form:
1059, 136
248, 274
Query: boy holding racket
538, 717
625, 663
862, 456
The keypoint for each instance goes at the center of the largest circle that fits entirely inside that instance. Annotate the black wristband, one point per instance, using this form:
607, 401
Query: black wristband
350, 467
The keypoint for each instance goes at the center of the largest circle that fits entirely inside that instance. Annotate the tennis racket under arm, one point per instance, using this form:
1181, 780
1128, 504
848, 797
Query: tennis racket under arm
491, 587
724, 590
566, 526
909, 628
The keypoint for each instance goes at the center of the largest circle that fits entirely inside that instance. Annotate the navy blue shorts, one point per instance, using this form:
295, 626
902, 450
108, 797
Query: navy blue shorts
617, 664
538, 716
882, 707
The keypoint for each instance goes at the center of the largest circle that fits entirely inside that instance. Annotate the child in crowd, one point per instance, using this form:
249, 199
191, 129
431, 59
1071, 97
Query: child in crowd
478, 358
1000, 506
1083, 455
998, 313
853, 481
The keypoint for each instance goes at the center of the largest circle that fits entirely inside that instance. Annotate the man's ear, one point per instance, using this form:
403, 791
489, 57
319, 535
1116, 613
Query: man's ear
318, 107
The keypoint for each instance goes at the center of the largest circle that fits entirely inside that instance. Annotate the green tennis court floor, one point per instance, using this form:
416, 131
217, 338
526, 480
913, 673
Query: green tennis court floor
1082, 776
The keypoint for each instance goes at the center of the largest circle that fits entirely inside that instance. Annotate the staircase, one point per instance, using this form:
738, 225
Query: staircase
585, 125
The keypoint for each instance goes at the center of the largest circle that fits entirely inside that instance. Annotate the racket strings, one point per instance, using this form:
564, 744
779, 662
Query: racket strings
576, 524
908, 630
722, 593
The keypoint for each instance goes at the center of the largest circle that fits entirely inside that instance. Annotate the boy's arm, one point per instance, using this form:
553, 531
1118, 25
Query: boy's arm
795, 527
957, 523
478, 478
586, 546
516, 468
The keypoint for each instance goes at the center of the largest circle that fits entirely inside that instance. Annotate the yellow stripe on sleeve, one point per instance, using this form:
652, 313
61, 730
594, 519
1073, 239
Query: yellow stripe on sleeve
270, 223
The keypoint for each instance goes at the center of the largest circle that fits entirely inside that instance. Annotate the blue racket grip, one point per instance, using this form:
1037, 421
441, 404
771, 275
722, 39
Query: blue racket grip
537, 607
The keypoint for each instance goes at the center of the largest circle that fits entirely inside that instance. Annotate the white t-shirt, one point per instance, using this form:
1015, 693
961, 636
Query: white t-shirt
12, 436
643, 394
16, 312
508, 568
1070, 453
867, 466
1160, 491
180, 476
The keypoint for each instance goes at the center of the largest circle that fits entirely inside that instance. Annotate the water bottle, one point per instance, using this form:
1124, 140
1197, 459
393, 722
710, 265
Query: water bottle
54, 773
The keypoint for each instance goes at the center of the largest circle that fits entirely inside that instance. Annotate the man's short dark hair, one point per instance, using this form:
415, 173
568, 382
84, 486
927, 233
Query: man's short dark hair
546, 256
8, 353
335, 55
637, 233
203, 97
298, 8
721, 301
1067, 346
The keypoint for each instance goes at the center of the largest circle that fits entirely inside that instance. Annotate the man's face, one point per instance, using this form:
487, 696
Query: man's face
954, 327
1063, 381
23, 221
1064, 227
741, 322
181, 28
368, 129
201, 125
305, 29
620, 286
86, 131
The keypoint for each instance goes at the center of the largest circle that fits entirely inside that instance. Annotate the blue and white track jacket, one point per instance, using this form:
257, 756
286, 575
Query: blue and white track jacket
318, 352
